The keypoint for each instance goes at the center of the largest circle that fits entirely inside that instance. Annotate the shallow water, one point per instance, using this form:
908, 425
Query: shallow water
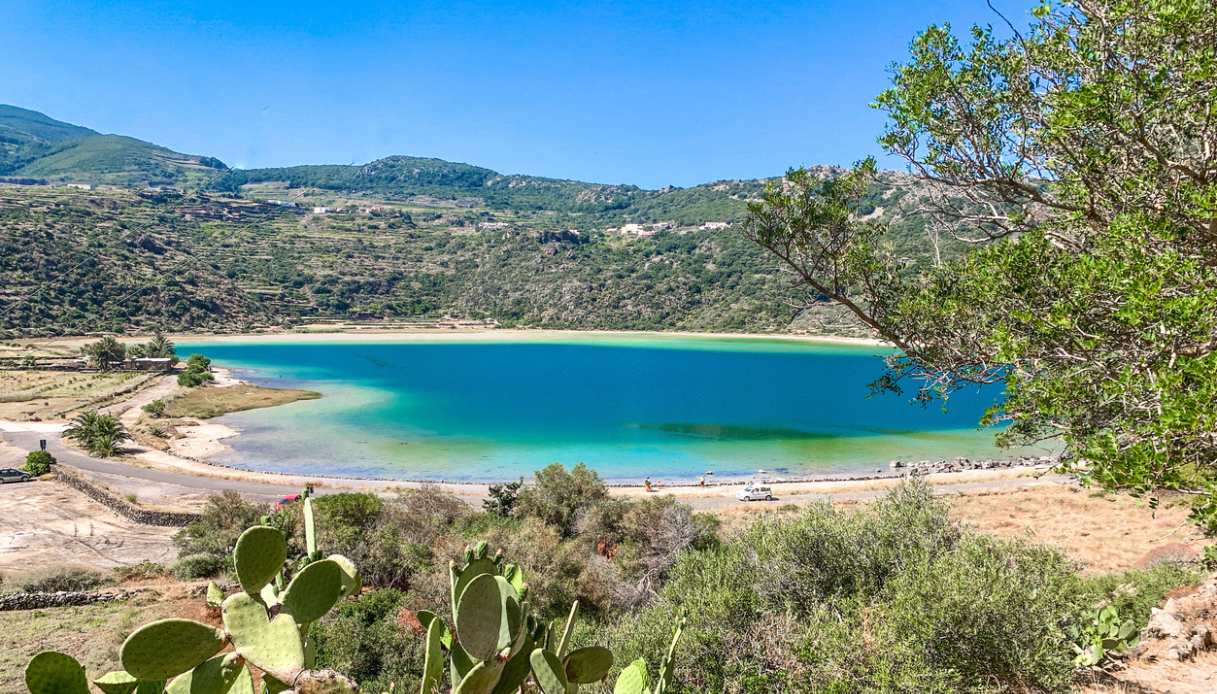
631, 407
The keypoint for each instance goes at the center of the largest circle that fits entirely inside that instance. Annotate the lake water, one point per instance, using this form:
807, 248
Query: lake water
630, 407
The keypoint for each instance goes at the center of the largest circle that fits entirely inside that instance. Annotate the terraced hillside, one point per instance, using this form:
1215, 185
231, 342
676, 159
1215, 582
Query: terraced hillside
400, 237
76, 261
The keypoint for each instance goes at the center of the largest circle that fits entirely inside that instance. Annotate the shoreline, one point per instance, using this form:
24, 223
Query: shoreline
190, 453
504, 334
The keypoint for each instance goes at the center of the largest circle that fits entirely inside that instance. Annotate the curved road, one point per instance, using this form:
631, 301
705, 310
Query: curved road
28, 440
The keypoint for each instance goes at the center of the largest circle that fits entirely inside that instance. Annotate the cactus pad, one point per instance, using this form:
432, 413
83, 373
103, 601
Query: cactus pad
273, 645
480, 617
547, 671
481, 679
633, 679
120, 682
313, 591
218, 675
55, 673
433, 663
215, 596
587, 665
166, 648
351, 582
259, 556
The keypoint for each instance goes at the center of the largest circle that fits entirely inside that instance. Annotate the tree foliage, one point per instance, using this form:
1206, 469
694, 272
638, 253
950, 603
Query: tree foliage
100, 434
1079, 157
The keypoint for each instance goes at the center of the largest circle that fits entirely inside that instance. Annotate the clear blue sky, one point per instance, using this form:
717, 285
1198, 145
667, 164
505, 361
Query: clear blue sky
651, 93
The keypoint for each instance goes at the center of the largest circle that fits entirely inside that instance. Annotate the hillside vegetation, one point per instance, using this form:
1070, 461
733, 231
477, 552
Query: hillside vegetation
76, 261
35, 147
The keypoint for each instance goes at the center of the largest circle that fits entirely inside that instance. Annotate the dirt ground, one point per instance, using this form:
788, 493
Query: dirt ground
42, 395
47, 524
1102, 532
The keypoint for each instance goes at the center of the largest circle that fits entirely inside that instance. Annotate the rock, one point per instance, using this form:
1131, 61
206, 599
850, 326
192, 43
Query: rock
1163, 624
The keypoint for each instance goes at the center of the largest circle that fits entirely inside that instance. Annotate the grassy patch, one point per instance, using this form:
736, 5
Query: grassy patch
206, 402
36, 395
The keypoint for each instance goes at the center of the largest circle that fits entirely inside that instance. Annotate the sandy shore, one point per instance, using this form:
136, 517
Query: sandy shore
506, 335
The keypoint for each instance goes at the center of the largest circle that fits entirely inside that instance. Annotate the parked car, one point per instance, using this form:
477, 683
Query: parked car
10, 474
755, 492
286, 501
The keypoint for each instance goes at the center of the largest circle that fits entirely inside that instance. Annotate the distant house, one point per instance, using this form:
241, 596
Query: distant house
321, 210
149, 363
711, 226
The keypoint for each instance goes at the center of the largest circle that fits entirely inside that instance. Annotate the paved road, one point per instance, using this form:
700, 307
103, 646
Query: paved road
29, 441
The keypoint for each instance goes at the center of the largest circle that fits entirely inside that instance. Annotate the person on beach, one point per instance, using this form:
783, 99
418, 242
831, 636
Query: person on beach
701, 481
647, 484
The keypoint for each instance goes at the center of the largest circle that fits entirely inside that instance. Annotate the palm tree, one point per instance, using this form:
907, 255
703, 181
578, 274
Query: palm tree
160, 346
100, 434
103, 353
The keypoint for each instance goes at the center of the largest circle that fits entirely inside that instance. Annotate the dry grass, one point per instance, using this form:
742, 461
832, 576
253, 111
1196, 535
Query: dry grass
40, 395
91, 633
1103, 532
205, 402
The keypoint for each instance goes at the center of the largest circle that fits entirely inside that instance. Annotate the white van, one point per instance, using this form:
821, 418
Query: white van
755, 492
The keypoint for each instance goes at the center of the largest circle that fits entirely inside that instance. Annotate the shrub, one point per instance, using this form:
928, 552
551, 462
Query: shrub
197, 372
100, 434
193, 379
558, 496
38, 462
989, 612
223, 518
156, 408
365, 639
194, 566
141, 571
890, 597
502, 498
68, 579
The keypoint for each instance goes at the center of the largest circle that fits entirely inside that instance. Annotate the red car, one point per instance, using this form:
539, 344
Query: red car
287, 500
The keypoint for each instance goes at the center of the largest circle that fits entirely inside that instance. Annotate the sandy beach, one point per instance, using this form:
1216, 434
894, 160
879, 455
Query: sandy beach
504, 335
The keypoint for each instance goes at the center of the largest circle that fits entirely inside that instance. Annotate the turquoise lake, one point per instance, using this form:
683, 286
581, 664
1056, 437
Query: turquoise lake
630, 407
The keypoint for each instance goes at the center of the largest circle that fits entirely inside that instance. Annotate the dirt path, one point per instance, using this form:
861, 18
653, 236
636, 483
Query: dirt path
48, 523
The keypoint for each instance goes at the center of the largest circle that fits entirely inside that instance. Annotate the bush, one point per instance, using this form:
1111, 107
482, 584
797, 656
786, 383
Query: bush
141, 571
156, 408
193, 379
501, 499
370, 640
990, 611
70, 579
222, 520
38, 462
197, 372
194, 566
558, 496
890, 597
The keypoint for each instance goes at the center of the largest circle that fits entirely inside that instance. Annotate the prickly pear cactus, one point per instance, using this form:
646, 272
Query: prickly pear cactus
187, 653
169, 647
259, 557
50, 672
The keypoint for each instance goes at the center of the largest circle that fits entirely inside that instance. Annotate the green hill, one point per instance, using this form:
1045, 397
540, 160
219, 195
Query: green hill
398, 238
35, 146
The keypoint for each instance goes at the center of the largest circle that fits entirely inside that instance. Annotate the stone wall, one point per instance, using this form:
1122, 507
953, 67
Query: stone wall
37, 601
121, 506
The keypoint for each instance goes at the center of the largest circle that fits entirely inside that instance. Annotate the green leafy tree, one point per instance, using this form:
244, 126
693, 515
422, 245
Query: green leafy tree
559, 496
100, 434
1079, 158
501, 498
